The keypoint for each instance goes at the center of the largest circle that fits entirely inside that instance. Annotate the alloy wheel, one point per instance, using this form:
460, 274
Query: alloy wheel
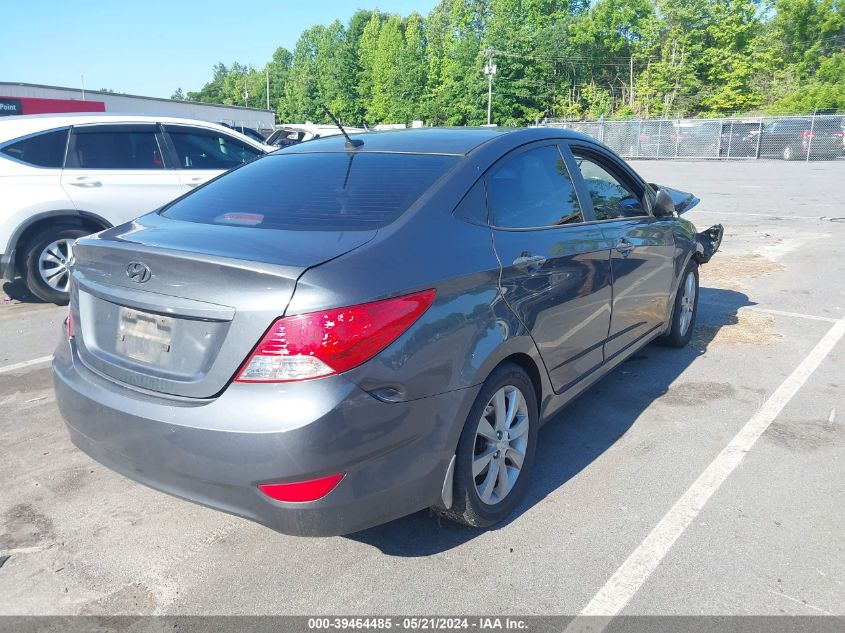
501, 440
687, 303
54, 264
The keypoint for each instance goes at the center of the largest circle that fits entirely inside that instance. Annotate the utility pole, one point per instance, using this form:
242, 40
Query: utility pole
267, 77
489, 70
82, 77
246, 96
631, 89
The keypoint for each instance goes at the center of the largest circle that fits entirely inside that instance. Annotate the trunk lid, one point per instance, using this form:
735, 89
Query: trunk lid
175, 307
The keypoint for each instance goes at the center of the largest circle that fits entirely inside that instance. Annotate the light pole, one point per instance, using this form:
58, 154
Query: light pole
489, 70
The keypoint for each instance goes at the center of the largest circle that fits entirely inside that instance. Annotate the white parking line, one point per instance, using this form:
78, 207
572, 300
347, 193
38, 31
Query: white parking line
796, 315
618, 591
26, 363
783, 313
771, 216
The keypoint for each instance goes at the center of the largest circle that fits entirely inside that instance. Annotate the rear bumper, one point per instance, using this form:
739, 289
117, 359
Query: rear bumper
215, 452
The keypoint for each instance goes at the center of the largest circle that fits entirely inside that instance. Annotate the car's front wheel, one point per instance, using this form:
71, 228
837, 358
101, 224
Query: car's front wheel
48, 256
685, 309
496, 449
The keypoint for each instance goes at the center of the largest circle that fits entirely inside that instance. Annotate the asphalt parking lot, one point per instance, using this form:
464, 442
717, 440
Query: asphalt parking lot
607, 525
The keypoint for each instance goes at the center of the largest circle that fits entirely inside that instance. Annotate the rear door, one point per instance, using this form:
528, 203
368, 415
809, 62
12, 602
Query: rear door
642, 247
555, 267
118, 172
203, 153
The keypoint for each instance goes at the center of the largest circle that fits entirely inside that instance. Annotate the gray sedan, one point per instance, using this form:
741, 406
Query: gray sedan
345, 332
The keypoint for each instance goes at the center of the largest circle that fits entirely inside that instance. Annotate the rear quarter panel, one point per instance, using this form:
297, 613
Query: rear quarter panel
27, 192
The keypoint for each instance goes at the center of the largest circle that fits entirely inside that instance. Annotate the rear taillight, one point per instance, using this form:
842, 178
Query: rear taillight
644, 137
808, 134
333, 341
839, 134
302, 491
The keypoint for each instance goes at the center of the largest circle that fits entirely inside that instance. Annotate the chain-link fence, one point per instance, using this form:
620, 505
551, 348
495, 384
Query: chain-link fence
815, 137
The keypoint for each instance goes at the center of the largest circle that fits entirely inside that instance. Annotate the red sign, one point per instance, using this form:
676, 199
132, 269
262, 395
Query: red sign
32, 105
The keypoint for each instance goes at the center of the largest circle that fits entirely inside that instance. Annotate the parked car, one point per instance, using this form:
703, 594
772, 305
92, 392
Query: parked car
252, 133
739, 139
699, 139
663, 138
339, 356
794, 139
293, 133
65, 176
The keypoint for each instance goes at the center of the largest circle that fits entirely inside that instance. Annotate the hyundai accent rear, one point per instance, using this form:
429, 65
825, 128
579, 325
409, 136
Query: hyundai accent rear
333, 336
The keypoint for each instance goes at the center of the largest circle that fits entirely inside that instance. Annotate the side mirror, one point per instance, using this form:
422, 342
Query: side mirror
663, 206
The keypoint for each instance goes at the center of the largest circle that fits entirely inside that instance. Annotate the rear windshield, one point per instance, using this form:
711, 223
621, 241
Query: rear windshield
316, 192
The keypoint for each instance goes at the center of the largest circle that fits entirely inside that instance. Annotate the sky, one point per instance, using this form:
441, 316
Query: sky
153, 47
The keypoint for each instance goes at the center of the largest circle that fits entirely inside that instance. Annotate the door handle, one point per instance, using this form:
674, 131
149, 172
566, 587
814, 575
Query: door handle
529, 262
85, 183
624, 246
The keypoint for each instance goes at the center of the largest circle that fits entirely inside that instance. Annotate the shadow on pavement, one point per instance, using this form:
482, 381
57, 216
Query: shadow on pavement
17, 291
578, 435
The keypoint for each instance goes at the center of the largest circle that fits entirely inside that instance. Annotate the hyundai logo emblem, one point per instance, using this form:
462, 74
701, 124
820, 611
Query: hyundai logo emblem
138, 272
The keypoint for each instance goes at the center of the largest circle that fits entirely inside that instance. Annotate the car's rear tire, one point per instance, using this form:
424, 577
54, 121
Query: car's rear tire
47, 260
496, 449
685, 309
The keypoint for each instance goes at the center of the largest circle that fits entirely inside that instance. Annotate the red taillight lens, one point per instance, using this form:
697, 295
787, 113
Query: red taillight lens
323, 343
302, 491
839, 134
808, 134
644, 137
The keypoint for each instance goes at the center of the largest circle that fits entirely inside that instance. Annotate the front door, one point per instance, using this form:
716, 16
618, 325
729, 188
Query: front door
642, 250
118, 171
555, 268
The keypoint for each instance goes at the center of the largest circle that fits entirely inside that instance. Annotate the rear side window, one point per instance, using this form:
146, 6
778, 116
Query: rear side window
201, 149
43, 150
94, 149
532, 190
314, 192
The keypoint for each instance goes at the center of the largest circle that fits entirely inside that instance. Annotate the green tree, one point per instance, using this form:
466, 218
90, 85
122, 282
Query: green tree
336, 73
278, 70
366, 54
412, 80
464, 89
301, 101
213, 91
387, 105
732, 29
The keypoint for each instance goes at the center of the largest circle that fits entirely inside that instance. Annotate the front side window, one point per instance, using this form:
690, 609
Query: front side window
611, 199
532, 190
350, 192
203, 149
114, 149
42, 150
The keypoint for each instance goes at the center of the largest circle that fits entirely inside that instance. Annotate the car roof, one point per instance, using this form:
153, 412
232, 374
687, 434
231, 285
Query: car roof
17, 126
456, 141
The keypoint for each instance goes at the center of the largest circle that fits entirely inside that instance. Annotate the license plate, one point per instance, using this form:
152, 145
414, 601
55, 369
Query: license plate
143, 336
